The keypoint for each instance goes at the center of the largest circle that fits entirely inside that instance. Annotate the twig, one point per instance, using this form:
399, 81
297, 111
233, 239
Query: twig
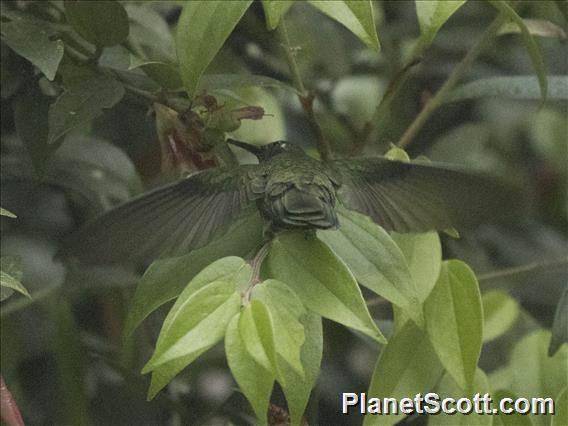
517, 270
306, 98
436, 101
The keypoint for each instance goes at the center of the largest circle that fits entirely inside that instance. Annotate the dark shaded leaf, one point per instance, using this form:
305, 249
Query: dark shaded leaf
11, 276
560, 324
274, 10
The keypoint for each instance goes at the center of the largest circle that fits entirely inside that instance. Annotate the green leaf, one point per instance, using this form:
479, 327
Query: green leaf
534, 373
561, 415
500, 312
454, 321
357, 16
448, 388
432, 15
31, 120
537, 27
514, 419
103, 23
255, 382
297, 389
166, 75
197, 321
407, 365
375, 260
35, 40
4, 212
85, 95
560, 324
202, 29
396, 153
11, 276
213, 82
512, 87
286, 309
166, 278
274, 10
321, 280
257, 331
530, 44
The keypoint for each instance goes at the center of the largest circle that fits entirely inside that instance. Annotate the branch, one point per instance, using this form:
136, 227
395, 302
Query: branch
306, 99
517, 270
434, 103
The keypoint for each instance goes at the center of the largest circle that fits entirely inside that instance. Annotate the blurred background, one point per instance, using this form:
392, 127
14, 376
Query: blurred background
62, 351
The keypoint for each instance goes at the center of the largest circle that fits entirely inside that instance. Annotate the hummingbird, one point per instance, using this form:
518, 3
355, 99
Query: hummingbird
291, 190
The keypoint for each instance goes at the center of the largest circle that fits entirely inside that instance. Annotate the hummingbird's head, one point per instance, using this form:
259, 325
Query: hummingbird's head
268, 151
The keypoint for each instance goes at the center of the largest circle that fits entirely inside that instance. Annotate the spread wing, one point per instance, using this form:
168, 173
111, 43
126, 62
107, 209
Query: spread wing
418, 197
167, 221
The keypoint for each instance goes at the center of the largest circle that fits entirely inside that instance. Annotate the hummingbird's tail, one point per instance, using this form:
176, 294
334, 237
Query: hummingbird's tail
309, 208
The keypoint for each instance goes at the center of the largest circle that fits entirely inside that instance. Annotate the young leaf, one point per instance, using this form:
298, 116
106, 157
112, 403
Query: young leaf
298, 389
35, 40
202, 29
408, 365
166, 75
530, 44
257, 331
449, 388
166, 278
512, 87
375, 260
432, 14
500, 311
11, 276
286, 309
357, 16
86, 94
4, 212
560, 324
255, 382
274, 10
454, 321
103, 23
196, 323
321, 280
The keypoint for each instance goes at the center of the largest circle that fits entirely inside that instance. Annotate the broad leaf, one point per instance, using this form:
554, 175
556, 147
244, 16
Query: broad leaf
357, 16
432, 14
454, 321
86, 94
103, 23
321, 280
257, 332
36, 41
255, 382
530, 44
448, 388
375, 260
166, 278
512, 87
274, 10
31, 120
561, 415
407, 365
286, 309
197, 321
297, 389
560, 324
11, 276
500, 311
202, 29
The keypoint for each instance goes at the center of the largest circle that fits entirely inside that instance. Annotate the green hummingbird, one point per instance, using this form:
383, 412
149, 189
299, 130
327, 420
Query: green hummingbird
291, 190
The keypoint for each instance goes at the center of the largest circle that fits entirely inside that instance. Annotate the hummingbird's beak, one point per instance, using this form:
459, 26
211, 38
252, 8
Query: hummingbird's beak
253, 149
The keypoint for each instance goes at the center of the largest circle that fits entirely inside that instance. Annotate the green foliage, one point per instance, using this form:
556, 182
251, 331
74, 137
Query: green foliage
11, 277
560, 325
500, 311
432, 15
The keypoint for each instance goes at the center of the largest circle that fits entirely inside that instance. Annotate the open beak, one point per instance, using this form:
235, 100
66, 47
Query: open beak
253, 149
